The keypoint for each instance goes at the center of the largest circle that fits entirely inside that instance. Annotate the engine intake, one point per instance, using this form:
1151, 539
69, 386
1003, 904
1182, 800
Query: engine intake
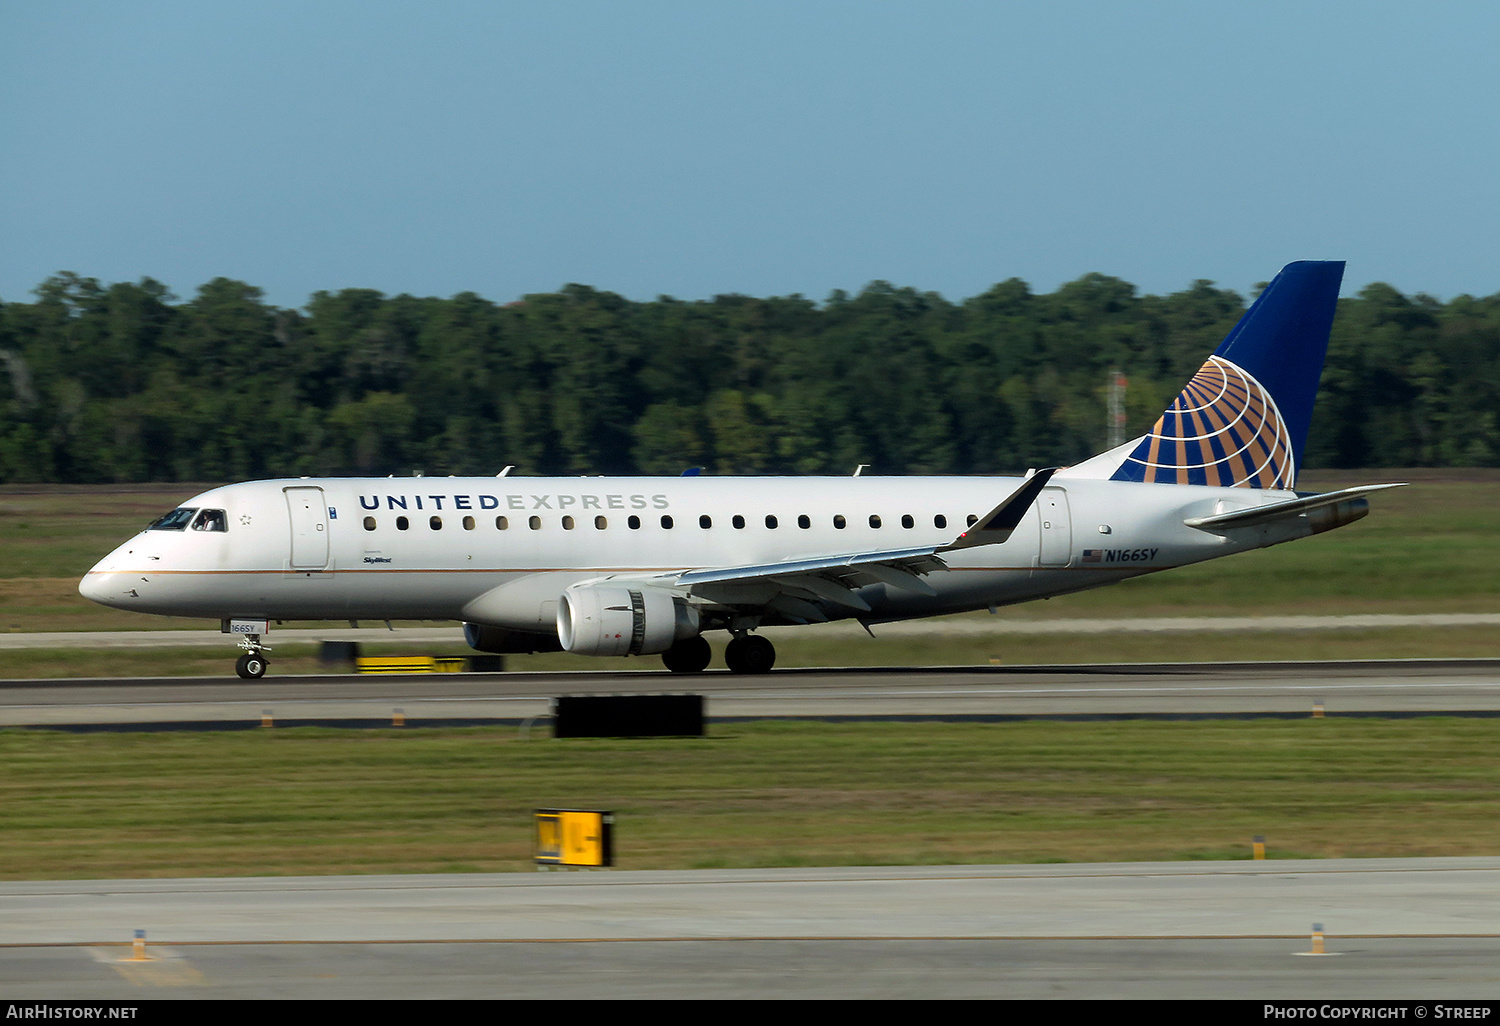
617, 619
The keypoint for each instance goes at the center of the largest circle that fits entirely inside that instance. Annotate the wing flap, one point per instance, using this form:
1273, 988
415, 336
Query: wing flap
915, 560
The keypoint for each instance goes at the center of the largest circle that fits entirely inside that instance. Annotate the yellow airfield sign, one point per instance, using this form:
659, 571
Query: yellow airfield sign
574, 837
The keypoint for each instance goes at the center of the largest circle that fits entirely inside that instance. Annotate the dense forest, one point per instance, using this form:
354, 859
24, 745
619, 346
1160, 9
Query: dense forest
125, 382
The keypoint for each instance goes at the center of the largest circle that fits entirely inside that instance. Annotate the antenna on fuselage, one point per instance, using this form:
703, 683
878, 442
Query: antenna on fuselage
858, 471
506, 471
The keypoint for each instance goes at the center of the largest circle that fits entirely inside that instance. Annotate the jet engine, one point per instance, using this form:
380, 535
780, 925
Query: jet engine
620, 619
483, 638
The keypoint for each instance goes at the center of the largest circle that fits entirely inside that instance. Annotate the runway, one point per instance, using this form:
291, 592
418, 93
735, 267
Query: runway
1394, 929
956, 626
1388, 687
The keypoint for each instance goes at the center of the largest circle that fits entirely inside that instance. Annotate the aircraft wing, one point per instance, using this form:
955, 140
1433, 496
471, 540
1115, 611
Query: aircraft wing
1259, 516
792, 586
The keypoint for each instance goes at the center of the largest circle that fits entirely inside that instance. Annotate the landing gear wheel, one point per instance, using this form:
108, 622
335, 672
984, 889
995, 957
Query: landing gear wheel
750, 653
251, 666
690, 655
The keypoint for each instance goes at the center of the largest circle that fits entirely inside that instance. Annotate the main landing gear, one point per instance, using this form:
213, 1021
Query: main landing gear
690, 655
252, 665
750, 653
745, 653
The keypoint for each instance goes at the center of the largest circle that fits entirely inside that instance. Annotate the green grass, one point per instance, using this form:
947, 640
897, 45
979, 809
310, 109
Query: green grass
62, 530
311, 801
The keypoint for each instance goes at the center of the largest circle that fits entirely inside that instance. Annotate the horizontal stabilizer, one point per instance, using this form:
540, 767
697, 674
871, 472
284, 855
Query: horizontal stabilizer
1261, 515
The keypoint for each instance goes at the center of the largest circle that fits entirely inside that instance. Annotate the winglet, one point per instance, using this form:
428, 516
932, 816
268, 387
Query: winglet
1000, 523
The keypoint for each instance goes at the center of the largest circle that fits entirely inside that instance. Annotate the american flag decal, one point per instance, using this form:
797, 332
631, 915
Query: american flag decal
1223, 429
1092, 555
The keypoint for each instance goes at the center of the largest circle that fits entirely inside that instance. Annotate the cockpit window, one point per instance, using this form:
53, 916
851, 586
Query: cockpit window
177, 520
211, 520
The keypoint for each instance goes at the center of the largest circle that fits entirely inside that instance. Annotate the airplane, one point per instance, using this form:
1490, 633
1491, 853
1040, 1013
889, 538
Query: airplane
649, 565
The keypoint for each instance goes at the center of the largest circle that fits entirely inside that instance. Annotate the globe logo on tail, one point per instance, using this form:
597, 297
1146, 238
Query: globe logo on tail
1223, 429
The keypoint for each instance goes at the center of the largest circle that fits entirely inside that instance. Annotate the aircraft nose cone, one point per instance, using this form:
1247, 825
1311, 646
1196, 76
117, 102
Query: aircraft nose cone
94, 586
107, 589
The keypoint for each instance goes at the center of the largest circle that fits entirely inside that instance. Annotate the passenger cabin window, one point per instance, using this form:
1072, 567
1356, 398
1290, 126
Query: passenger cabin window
600, 523
771, 521
634, 523
211, 520
907, 521
535, 523
666, 523
369, 523
468, 523
177, 520
874, 520
804, 521
567, 523
973, 520
402, 523
705, 521
436, 523
502, 523
939, 521
738, 522
838, 521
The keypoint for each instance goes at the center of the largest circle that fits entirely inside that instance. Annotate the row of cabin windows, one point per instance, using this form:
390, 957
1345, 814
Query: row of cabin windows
634, 523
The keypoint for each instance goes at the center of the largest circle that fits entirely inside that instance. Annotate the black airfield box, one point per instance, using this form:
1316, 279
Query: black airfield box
627, 716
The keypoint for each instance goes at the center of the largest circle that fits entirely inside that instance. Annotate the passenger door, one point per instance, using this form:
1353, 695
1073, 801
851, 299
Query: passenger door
309, 518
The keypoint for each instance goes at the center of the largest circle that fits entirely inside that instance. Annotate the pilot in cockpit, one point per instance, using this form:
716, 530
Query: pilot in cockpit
211, 520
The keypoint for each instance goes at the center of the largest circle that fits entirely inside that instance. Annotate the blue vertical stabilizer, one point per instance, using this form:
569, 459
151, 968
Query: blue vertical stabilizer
1243, 418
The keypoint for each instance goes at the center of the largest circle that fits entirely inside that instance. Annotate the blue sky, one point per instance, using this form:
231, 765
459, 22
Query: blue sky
767, 147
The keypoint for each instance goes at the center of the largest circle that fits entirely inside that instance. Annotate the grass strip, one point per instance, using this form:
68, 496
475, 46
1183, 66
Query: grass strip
318, 801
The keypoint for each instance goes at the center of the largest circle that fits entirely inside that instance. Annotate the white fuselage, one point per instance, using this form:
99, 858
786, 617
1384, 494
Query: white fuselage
500, 551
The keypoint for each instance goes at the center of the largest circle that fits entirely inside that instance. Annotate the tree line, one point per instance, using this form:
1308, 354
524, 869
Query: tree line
125, 382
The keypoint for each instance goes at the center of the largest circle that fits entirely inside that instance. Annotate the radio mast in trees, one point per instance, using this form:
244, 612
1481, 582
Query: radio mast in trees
1116, 417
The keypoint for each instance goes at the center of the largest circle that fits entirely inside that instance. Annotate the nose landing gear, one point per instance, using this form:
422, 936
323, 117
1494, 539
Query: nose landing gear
252, 665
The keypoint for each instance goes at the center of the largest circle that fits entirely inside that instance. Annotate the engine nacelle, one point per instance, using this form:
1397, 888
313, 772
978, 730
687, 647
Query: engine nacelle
483, 638
621, 619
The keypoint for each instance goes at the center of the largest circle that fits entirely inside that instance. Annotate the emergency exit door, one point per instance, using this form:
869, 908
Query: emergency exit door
1057, 528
